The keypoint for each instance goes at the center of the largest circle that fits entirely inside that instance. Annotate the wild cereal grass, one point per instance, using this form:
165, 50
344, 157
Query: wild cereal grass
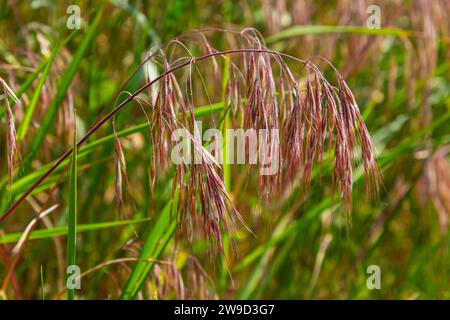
358, 135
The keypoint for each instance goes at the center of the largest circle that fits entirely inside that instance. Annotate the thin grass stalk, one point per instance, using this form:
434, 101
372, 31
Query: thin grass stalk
72, 217
226, 167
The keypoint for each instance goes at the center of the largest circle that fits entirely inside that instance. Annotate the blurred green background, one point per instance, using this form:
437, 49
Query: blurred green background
303, 249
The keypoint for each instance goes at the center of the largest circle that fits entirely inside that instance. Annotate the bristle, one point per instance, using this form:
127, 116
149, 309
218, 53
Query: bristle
120, 170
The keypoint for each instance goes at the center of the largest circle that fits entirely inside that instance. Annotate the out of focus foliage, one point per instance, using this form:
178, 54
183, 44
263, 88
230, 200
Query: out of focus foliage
302, 246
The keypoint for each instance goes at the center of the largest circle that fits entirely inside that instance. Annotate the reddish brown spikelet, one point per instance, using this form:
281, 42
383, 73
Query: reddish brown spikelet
120, 169
12, 144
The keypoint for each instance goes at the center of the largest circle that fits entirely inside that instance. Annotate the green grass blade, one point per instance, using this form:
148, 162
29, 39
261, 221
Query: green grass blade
288, 229
37, 92
225, 164
72, 217
62, 88
62, 231
154, 245
322, 29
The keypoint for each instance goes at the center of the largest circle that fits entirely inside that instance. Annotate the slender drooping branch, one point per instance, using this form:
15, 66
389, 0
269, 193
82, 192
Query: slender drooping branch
121, 106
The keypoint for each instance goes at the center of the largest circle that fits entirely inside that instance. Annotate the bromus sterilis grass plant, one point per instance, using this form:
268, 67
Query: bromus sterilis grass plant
272, 224
258, 90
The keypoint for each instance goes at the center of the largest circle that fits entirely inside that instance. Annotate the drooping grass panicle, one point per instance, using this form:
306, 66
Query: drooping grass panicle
265, 92
13, 150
